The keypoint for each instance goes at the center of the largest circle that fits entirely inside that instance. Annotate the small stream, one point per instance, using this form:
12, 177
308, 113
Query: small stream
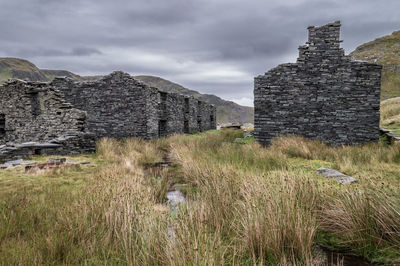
343, 259
174, 198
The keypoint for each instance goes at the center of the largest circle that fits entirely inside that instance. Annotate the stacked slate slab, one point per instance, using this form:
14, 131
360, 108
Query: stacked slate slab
66, 116
325, 95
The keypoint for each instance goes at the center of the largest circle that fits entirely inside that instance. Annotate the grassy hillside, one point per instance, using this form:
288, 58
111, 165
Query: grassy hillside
23, 69
19, 68
247, 205
390, 115
227, 111
384, 51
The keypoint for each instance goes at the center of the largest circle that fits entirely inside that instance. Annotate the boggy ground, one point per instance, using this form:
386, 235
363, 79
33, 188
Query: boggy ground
246, 204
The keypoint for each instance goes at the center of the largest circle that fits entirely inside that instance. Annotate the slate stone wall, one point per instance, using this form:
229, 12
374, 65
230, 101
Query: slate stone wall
152, 113
324, 95
212, 112
67, 116
206, 116
117, 105
172, 112
120, 106
34, 111
191, 109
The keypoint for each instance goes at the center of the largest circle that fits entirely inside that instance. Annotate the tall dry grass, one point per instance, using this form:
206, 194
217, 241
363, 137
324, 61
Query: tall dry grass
351, 159
111, 220
268, 211
246, 202
364, 219
390, 112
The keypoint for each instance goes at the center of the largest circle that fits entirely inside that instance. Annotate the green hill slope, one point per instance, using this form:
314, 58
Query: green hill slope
384, 51
21, 69
227, 111
390, 115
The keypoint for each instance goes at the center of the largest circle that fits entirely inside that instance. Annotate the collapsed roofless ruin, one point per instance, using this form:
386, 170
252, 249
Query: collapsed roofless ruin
67, 117
325, 95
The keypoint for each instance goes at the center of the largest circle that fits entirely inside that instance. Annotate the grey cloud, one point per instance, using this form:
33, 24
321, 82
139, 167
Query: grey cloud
40, 52
84, 51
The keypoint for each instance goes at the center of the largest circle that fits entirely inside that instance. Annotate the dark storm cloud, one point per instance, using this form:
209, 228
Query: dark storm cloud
211, 46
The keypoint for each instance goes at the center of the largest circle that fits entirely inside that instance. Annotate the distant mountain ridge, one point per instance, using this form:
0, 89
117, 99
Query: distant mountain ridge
386, 52
227, 111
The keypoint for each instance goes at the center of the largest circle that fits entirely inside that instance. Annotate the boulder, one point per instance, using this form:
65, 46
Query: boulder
340, 177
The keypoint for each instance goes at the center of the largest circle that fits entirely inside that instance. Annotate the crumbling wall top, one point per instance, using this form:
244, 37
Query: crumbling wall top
325, 37
323, 44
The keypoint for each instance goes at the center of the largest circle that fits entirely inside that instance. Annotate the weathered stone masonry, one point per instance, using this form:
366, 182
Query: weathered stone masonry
324, 95
67, 116
117, 105
120, 106
36, 112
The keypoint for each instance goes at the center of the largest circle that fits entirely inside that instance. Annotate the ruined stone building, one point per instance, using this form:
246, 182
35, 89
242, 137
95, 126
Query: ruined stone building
120, 106
36, 119
66, 116
325, 95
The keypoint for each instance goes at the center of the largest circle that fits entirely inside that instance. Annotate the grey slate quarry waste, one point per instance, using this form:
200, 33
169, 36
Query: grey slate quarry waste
332, 173
66, 116
324, 95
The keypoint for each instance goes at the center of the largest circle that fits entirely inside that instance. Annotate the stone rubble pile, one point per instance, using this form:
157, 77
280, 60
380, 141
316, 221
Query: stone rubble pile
29, 165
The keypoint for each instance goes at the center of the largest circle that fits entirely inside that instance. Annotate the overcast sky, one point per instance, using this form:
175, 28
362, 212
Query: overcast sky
213, 46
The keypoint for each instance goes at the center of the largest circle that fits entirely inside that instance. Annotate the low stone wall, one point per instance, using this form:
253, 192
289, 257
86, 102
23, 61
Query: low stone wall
325, 95
64, 145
